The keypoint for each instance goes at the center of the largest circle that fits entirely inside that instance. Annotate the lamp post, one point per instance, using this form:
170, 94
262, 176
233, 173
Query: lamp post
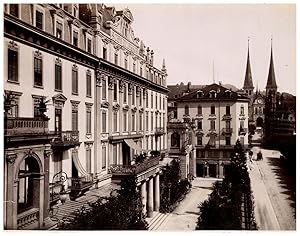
62, 177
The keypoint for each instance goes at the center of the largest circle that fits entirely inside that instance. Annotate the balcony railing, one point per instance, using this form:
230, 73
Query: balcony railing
25, 125
66, 138
159, 131
116, 169
227, 130
27, 218
81, 183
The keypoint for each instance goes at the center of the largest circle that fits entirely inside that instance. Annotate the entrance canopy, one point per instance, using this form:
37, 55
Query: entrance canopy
133, 145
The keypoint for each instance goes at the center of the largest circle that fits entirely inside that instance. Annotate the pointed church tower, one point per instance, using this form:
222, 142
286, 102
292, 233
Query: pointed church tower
248, 84
271, 87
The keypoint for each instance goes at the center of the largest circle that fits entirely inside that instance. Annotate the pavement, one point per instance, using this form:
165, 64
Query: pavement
273, 191
185, 216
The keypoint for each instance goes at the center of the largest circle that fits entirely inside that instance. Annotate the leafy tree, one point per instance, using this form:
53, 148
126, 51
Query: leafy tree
223, 209
120, 211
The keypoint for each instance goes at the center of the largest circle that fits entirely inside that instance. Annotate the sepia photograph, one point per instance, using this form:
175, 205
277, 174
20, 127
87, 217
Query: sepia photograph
149, 116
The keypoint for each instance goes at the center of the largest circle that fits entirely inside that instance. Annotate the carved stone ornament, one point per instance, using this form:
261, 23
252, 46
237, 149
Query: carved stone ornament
125, 108
130, 88
121, 86
116, 107
75, 105
12, 45
138, 91
141, 110
11, 158
145, 92
111, 83
99, 77
47, 154
134, 109
105, 104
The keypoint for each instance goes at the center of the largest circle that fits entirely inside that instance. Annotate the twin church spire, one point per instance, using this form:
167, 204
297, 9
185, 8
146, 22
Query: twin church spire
271, 81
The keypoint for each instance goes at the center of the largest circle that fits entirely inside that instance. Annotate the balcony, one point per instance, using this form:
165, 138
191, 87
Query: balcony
227, 131
22, 125
79, 185
119, 171
242, 131
66, 139
227, 117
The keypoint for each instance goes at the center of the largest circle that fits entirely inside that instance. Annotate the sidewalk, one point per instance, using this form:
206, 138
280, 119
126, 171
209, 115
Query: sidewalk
273, 203
185, 216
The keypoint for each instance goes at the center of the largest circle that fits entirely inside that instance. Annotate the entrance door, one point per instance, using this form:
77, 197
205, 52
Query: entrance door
58, 120
199, 170
212, 170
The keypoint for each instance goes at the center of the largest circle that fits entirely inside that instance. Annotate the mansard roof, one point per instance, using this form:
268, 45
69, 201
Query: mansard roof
212, 92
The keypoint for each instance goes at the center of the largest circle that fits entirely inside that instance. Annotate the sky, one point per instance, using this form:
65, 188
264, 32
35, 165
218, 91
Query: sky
203, 43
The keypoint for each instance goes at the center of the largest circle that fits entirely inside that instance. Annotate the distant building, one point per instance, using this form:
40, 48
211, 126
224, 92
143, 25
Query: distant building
203, 127
269, 109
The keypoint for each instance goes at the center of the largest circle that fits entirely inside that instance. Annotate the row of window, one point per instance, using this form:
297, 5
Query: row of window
135, 126
175, 140
38, 72
136, 97
212, 110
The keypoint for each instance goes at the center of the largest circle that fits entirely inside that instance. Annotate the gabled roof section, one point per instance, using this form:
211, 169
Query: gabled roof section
271, 82
248, 83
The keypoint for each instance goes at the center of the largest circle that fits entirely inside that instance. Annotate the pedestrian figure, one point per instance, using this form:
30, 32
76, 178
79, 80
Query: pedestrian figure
250, 156
259, 156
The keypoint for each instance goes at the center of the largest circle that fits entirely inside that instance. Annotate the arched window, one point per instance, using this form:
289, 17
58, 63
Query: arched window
186, 110
28, 184
175, 140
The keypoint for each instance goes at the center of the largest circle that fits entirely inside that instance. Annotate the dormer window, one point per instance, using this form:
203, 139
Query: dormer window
199, 94
14, 9
213, 94
228, 93
75, 38
39, 16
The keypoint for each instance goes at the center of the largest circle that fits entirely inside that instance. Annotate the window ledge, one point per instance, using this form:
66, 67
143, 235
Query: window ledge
58, 90
38, 86
73, 93
13, 82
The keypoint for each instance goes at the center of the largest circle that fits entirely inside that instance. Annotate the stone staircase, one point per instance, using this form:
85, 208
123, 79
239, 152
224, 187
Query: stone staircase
155, 222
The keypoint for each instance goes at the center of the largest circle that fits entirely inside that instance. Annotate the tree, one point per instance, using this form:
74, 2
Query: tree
120, 211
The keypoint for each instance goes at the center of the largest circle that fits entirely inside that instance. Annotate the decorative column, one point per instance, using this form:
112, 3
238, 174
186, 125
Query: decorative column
157, 194
150, 198
9, 198
110, 101
47, 155
221, 172
144, 197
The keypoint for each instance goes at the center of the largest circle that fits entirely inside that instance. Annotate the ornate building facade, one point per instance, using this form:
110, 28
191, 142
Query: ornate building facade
105, 102
215, 118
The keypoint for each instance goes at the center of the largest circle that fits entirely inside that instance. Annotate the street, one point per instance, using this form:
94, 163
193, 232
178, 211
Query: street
274, 192
186, 214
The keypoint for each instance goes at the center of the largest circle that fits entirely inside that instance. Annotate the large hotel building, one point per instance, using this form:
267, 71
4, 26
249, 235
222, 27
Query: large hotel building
105, 102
